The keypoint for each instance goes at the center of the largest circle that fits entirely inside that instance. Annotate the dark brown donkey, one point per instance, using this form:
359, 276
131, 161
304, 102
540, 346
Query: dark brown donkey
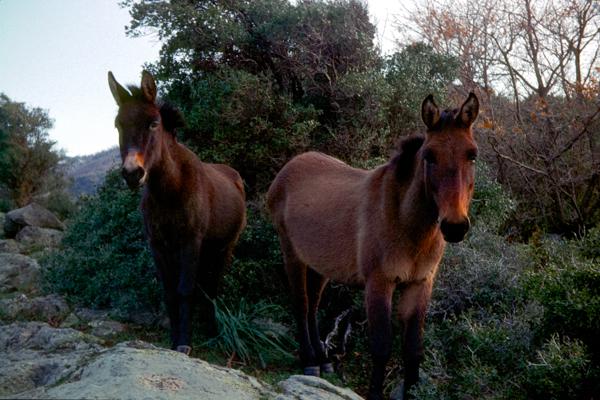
381, 228
193, 211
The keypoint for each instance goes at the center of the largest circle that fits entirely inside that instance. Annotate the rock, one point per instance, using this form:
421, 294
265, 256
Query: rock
34, 354
71, 321
106, 328
302, 387
89, 314
30, 215
52, 363
143, 318
34, 235
135, 371
46, 308
9, 246
2, 217
18, 273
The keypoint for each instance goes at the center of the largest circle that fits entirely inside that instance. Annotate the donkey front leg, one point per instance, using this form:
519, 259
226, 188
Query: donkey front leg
188, 269
412, 309
378, 297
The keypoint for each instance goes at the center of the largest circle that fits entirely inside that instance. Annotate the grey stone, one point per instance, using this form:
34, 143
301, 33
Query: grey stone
30, 215
46, 308
90, 314
34, 354
71, 321
18, 273
132, 371
34, 235
9, 246
302, 387
106, 328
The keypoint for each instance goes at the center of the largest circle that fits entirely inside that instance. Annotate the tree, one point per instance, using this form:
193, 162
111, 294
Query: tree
541, 58
262, 80
28, 160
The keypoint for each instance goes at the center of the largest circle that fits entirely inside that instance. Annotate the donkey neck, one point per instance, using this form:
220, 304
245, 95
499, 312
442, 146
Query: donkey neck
164, 174
408, 202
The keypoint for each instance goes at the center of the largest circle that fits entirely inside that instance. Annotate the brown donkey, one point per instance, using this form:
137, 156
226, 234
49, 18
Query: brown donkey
193, 211
380, 229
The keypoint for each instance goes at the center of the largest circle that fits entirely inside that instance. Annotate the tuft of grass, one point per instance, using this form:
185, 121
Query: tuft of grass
248, 333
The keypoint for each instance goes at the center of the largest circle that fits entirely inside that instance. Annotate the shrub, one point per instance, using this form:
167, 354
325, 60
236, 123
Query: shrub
559, 370
256, 272
569, 290
103, 260
249, 333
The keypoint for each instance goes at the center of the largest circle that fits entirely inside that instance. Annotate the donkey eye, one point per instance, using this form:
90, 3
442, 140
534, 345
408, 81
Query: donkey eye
154, 124
472, 156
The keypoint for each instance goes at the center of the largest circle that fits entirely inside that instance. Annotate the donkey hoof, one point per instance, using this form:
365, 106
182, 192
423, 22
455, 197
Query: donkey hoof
312, 371
184, 349
327, 368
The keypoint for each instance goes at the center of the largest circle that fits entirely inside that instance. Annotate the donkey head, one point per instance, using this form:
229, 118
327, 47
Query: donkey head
448, 155
143, 127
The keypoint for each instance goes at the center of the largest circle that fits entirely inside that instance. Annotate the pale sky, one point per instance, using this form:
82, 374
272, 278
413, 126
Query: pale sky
55, 54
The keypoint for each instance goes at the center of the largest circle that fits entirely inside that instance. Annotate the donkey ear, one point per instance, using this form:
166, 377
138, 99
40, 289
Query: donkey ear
119, 93
148, 86
430, 112
469, 110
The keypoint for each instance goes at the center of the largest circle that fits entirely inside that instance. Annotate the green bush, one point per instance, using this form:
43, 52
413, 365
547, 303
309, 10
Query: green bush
103, 260
256, 272
491, 205
568, 288
559, 371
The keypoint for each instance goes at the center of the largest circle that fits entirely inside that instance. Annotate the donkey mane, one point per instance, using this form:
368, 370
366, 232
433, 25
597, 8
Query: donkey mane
403, 159
170, 115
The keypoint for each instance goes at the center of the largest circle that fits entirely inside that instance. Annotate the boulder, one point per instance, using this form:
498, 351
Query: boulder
53, 363
18, 273
34, 235
46, 308
9, 246
34, 355
30, 215
136, 370
302, 387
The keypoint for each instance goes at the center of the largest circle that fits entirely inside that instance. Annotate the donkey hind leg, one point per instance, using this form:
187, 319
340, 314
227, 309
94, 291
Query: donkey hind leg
315, 284
296, 273
378, 298
412, 308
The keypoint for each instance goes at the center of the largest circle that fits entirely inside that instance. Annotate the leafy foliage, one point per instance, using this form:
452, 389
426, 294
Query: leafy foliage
29, 164
261, 81
104, 261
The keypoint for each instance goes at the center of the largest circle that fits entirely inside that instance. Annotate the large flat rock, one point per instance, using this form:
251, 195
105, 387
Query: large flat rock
51, 363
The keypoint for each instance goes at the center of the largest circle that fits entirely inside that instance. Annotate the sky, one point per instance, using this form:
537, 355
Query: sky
55, 54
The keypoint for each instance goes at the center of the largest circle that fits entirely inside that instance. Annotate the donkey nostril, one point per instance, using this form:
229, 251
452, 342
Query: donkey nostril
133, 177
455, 232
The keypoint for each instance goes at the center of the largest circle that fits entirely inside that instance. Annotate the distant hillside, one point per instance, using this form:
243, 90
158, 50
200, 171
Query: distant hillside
88, 172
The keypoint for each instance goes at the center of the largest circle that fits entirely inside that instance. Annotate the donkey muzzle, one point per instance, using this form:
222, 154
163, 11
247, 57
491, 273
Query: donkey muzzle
133, 177
454, 232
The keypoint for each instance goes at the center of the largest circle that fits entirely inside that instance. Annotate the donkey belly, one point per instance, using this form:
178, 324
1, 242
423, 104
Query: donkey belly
325, 243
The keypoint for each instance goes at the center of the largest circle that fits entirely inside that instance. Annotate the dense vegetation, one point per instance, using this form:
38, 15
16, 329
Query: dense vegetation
516, 307
30, 166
